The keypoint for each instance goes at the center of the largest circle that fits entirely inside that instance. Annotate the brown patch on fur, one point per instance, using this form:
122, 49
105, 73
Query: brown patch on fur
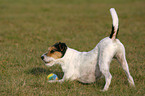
53, 53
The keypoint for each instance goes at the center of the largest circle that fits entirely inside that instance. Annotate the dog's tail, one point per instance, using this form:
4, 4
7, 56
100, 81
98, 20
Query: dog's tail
115, 24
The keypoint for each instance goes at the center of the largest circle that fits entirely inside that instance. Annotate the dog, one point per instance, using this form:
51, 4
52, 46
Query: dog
87, 67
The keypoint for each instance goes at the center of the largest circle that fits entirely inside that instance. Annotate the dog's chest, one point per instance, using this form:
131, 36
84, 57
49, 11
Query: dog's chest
81, 66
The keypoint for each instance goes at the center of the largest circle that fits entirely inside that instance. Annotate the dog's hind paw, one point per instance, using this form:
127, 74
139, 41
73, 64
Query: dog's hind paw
103, 90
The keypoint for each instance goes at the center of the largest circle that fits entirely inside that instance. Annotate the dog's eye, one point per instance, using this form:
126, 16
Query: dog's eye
52, 51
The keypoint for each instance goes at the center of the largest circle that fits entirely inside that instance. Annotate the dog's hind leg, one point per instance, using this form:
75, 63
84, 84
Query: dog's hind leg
104, 63
120, 56
108, 78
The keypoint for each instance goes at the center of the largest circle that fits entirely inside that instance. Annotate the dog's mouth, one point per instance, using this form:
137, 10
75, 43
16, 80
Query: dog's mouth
47, 62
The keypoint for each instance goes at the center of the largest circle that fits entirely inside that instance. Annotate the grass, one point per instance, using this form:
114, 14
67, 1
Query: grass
28, 27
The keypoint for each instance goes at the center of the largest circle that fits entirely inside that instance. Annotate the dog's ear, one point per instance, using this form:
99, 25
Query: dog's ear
62, 46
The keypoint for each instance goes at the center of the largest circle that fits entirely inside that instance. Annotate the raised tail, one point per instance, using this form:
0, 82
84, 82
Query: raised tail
115, 24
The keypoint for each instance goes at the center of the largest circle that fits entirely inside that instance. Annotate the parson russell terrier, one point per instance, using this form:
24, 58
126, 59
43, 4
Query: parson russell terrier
87, 67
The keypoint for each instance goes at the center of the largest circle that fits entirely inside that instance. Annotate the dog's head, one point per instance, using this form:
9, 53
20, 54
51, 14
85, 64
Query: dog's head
55, 52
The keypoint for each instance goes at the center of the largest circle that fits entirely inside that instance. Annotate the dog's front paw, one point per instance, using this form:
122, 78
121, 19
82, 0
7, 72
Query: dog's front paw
52, 81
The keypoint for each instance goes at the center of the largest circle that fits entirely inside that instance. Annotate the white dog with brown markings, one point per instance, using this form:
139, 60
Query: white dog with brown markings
87, 67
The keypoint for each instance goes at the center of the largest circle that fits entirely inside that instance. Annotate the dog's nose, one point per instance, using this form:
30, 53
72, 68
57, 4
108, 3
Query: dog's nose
42, 57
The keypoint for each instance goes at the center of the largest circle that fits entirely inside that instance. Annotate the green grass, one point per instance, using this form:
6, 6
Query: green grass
28, 27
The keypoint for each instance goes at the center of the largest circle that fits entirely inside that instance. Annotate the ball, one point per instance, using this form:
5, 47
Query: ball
52, 76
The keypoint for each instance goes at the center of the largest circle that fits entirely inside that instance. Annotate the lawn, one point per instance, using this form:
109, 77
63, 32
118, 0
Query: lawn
29, 27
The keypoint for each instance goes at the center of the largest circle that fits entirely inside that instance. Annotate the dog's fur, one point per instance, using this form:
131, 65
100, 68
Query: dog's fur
87, 67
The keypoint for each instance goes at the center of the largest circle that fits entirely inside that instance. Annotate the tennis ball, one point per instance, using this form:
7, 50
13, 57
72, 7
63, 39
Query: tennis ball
52, 76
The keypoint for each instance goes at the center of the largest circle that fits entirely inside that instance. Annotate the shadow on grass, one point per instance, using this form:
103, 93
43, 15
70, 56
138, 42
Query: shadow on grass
40, 71
99, 83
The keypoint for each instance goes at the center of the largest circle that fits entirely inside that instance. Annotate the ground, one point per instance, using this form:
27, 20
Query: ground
29, 27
